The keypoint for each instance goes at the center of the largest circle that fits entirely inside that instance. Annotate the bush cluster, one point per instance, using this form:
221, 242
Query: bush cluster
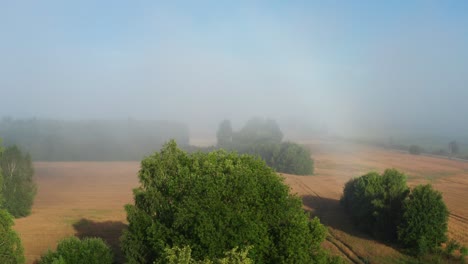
264, 138
383, 206
214, 202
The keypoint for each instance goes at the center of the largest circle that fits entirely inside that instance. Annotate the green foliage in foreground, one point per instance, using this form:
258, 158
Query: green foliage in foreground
183, 255
214, 202
75, 251
19, 188
11, 250
424, 221
383, 206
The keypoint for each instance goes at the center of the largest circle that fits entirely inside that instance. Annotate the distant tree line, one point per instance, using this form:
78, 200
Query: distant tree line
384, 206
264, 138
53, 140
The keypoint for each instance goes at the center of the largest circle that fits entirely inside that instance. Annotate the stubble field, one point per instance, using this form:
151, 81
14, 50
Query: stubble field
87, 198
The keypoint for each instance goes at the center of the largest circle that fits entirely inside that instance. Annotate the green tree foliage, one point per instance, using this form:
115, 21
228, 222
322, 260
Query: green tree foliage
294, 158
11, 250
287, 157
262, 138
424, 222
224, 134
75, 251
183, 255
19, 188
375, 202
214, 202
463, 252
451, 246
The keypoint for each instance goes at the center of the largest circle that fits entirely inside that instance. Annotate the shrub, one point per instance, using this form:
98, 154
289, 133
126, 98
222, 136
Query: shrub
214, 202
463, 252
11, 250
19, 188
451, 246
424, 217
375, 202
75, 251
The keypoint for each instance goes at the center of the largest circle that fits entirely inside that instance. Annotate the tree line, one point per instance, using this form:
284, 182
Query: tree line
90, 140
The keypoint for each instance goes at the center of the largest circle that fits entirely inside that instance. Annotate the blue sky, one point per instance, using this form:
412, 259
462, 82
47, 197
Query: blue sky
349, 64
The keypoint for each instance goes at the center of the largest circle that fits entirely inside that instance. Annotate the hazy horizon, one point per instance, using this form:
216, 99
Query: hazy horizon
355, 68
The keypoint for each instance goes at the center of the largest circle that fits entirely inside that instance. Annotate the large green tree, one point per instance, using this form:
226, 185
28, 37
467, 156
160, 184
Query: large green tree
11, 250
375, 202
19, 188
215, 202
424, 222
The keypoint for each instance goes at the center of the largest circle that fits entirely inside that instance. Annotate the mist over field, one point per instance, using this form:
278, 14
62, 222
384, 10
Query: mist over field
249, 131
350, 69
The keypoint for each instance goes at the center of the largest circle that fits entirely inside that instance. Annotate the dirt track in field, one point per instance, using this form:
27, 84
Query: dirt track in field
87, 198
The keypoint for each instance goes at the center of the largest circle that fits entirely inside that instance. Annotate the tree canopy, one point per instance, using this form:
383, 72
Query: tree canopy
19, 188
11, 249
215, 202
374, 202
263, 137
72, 250
383, 206
424, 221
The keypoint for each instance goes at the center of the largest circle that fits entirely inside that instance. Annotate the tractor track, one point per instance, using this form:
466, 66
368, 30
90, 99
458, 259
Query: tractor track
459, 218
343, 247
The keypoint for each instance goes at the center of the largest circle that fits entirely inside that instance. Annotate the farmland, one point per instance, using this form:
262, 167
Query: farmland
87, 198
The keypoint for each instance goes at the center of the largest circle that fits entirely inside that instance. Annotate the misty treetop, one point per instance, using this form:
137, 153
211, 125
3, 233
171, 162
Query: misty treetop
263, 137
214, 203
53, 140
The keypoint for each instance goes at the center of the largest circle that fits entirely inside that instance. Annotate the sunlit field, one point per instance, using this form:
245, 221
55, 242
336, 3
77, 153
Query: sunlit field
87, 198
